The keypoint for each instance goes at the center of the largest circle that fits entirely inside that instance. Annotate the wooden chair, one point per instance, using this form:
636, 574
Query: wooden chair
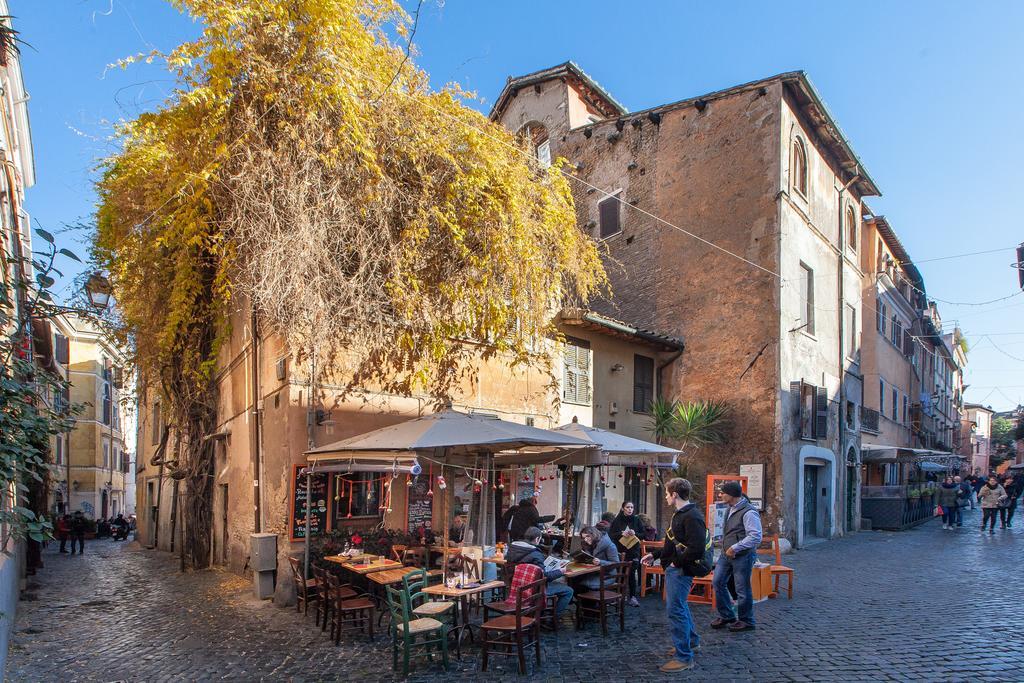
324, 606
503, 605
702, 592
511, 634
656, 571
415, 556
610, 596
773, 556
306, 590
348, 614
398, 553
467, 566
417, 637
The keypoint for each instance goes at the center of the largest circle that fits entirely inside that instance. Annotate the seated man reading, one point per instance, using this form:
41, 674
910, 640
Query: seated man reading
527, 551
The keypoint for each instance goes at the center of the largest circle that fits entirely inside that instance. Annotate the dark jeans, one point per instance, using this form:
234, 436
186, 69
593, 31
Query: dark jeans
1010, 510
959, 510
80, 540
949, 514
739, 569
563, 593
989, 517
680, 621
634, 576
63, 541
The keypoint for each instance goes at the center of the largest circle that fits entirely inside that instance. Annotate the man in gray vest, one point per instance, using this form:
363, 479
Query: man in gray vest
741, 534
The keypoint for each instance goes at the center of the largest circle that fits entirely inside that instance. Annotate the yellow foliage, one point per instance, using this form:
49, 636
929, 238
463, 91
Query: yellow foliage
356, 209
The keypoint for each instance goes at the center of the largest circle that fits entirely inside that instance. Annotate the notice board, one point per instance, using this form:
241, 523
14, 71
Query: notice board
715, 510
319, 495
420, 504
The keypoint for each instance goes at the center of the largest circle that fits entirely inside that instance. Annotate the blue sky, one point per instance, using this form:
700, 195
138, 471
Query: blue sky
929, 94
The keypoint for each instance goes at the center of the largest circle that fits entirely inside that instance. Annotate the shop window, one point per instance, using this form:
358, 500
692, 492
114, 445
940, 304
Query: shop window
357, 495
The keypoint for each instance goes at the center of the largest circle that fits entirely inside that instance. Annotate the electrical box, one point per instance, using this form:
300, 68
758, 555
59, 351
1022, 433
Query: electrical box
263, 560
263, 555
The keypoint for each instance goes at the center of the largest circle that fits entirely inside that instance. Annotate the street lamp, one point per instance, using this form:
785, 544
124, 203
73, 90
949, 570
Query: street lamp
97, 287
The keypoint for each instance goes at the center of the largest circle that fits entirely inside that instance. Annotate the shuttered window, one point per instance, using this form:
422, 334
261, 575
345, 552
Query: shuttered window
63, 349
608, 215
812, 410
576, 371
643, 383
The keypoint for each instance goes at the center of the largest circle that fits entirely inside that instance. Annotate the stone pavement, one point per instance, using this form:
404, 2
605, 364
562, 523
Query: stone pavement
925, 604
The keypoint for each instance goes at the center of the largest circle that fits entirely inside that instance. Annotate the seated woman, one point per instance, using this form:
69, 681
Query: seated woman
597, 544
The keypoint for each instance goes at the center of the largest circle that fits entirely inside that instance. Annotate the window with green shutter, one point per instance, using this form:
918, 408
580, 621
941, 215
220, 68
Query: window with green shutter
576, 371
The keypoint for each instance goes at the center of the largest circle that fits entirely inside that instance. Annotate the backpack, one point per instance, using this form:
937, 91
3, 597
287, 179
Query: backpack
706, 564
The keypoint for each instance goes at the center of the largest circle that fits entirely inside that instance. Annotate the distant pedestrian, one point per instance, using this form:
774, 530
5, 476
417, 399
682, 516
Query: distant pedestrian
964, 498
969, 484
1013, 487
741, 534
78, 526
682, 558
63, 529
946, 499
991, 496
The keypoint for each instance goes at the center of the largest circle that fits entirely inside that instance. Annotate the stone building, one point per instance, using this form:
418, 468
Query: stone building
769, 311
267, 421
95, 460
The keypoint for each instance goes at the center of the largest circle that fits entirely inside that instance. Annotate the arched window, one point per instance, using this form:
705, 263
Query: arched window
851, 228
798, 165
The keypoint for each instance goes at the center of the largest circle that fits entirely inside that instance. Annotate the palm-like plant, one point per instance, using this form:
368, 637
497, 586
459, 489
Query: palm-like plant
690, 425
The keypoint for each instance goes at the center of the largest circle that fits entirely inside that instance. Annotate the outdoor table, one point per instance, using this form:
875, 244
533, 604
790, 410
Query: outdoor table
370, 568
462, 595
572, 570
390, 576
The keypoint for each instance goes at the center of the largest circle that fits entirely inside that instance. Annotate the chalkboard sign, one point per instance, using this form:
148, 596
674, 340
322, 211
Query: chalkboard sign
318, 496
421, 505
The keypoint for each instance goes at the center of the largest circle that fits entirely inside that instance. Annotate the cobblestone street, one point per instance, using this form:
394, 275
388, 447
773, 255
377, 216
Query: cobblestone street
926, 604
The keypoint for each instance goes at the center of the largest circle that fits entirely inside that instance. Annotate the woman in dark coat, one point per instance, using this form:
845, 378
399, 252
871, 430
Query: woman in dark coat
627, 531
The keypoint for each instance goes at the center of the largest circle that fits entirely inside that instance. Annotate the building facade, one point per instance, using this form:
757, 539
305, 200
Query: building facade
977, 440
95, 460
772, 327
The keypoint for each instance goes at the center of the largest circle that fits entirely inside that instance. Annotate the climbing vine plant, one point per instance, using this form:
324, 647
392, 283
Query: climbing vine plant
304, 165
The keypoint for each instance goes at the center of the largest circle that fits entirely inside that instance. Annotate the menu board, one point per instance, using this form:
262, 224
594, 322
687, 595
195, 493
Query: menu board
318, 497
421, 505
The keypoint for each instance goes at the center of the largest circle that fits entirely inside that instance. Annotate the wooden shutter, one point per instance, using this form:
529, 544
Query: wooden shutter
821, 413
608, 213
63, 350
576, 371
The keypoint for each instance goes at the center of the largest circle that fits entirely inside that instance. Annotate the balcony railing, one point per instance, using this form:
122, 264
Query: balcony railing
868, 420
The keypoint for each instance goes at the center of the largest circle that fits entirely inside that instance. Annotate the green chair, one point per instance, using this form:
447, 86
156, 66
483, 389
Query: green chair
422, 605
417, 637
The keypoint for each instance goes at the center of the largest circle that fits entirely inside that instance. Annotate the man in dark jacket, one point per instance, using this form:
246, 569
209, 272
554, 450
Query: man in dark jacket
78, 527
685, 542
741, 534
523, 518
526, 551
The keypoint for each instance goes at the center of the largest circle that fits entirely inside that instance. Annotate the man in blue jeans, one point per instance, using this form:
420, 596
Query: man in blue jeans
741, 534
527, 551
685, 542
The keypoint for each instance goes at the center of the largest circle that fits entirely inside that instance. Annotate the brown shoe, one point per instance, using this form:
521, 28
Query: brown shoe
719, 622
738, 626
673, 665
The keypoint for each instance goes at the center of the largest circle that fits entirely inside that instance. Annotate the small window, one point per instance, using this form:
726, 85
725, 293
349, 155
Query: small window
895, 405
799, 167
576, 371
154, 424
643, 383
906, 410
851, 229
851, 331
807, 298
881, 396
544, 154
63, 350
609, 213
806, 411
357, 495
106, 455
880, 314
58, 450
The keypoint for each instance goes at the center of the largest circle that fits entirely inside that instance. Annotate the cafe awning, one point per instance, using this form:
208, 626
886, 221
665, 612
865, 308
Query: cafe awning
612, 448
365, 462
881, 453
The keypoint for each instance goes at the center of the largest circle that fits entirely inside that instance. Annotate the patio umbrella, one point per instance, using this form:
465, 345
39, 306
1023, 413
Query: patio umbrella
445, 436
931, 466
